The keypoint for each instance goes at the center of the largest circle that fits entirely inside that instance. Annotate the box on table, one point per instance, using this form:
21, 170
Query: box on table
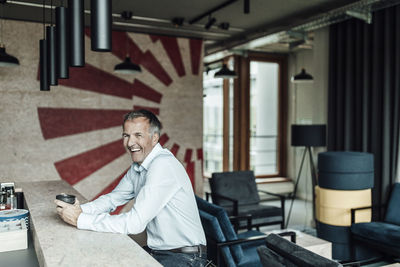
13, 235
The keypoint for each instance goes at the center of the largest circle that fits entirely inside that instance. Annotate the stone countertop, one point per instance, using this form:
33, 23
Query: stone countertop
59, 244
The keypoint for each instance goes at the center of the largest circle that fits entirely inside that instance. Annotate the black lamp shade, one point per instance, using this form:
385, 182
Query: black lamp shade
7, 60
62, 42
52, 55
302, 77
127, 67
309, 135
225, 73
44, 78
77, 41
100, 22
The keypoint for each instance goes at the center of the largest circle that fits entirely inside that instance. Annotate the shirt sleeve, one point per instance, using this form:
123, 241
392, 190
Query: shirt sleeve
121, 194
160, 187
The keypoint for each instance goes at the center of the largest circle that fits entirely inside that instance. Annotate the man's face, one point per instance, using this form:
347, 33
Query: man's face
137, 138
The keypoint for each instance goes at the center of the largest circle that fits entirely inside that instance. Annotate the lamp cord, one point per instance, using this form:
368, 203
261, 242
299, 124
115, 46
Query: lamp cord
51, 13
44, 21
1, 23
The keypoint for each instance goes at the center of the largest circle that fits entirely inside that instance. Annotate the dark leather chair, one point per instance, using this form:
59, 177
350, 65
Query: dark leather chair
383, 236
237, 193
280, 252
224, 246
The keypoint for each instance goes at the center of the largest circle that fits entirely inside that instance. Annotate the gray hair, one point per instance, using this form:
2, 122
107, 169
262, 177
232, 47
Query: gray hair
155, 124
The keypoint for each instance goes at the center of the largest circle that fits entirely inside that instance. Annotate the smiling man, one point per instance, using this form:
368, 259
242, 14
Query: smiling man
164, 206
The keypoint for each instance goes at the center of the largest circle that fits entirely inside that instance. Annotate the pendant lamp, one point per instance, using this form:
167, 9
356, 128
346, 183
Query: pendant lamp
100, 23
62, 42
302, 77
6, 60
77, 41
51, 54
44, 78
127, 66
225, 73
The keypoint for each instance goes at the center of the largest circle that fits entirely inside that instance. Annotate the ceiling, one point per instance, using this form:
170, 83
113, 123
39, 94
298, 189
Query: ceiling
273, 25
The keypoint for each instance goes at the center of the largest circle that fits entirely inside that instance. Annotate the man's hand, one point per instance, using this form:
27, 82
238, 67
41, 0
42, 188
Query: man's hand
68, 212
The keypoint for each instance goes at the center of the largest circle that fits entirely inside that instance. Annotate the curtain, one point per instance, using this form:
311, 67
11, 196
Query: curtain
364, 92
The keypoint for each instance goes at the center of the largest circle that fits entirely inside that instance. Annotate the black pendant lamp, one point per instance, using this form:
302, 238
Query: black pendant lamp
62, 42
51, 54
225, 73
302, 77
44, 78
6, 60
77, 37
52, 50
100, 23
127, 66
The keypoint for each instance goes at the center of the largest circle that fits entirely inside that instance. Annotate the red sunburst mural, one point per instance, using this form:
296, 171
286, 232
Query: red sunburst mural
61, 122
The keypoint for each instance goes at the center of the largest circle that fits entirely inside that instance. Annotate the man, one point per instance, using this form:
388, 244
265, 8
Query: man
164, 201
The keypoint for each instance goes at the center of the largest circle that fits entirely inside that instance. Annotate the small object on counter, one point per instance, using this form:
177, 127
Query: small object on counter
70, 199
20, 198
15, 215
3, 200
13, 235
13, 200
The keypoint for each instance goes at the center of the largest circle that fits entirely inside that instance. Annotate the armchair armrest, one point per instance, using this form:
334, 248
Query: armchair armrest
282, 199
234, 201
353, 211
272, 194
236, 219
250, 239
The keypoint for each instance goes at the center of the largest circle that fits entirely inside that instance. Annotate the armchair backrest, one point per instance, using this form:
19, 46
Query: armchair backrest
217, 226
393, 208
240, 185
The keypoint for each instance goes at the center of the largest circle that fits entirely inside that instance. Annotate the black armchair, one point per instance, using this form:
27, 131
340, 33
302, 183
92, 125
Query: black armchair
224, 246
237, 193
281, 252
383, 236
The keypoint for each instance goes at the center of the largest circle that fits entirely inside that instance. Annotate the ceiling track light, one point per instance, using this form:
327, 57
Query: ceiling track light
224, 26
211, 21
6, 60
178, 21
246, 6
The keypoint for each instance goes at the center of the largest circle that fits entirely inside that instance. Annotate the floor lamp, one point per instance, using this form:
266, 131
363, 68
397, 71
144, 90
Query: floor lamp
307, 136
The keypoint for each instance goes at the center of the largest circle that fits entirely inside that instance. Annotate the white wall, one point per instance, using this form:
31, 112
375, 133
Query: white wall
308, 104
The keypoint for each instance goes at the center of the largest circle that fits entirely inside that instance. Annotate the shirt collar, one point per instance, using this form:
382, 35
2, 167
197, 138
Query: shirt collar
146, 162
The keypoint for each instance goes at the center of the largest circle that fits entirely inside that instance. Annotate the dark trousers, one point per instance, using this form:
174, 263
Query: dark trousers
176, 259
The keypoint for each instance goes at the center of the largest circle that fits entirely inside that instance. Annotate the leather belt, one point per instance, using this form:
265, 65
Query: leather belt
193, 249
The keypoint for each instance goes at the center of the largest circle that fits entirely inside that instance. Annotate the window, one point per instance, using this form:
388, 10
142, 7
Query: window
212, 123
264, 100
245, 118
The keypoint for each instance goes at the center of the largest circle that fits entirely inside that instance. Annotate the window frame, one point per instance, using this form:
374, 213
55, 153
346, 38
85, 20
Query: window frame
241, 153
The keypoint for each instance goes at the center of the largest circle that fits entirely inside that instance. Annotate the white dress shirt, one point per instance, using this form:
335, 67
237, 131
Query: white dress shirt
164, 204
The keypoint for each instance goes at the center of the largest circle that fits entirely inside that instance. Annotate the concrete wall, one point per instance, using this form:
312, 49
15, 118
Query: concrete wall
74, 131
308, 103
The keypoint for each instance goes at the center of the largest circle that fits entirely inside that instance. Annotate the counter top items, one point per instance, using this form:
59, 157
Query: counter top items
79, 247
15, 215
11, 200
13, 235
70, 199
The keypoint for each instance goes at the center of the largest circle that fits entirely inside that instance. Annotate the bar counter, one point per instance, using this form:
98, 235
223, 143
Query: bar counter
59, 244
